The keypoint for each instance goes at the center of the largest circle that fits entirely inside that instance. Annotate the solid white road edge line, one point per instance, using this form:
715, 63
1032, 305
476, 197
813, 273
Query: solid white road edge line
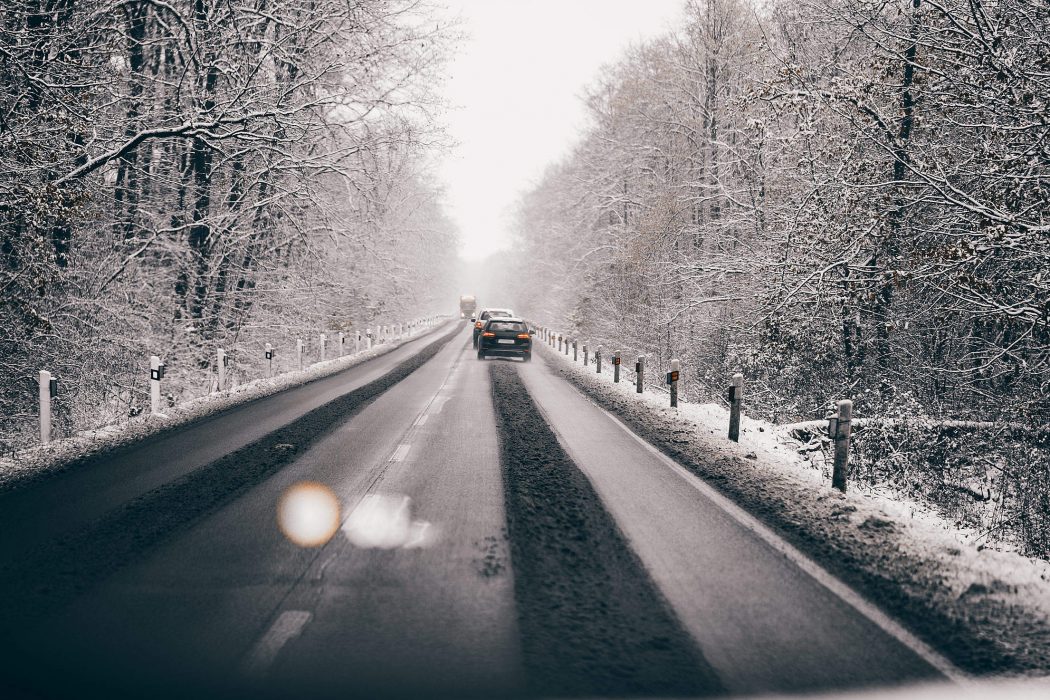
400, 453
286, 627
814, 570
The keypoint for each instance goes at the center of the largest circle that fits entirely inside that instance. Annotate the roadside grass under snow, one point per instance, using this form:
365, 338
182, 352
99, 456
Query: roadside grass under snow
958, 577
34, 462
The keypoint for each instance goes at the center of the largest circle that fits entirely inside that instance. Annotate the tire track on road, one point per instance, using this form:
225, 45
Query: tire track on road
592, 622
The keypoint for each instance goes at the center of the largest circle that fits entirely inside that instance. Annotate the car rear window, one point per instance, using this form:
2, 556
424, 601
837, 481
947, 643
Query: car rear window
494, 314
506, 326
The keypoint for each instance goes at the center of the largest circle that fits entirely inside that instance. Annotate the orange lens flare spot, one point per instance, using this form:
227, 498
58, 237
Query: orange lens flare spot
308, 514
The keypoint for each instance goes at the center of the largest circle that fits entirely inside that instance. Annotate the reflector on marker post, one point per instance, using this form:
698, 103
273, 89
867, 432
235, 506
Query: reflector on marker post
156, 373
672, 379
736, 399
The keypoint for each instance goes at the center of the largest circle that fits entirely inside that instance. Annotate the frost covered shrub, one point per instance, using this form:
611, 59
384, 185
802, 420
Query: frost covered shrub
993, 480
796, 367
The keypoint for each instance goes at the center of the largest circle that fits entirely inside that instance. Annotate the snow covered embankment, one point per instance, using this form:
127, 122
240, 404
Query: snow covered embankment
987, 611
33, 463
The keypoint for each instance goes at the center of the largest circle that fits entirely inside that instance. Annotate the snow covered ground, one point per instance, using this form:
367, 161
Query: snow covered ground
33, 462
892, 549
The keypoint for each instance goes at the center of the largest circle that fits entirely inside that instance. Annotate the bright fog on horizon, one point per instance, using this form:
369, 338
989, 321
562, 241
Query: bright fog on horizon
514, 88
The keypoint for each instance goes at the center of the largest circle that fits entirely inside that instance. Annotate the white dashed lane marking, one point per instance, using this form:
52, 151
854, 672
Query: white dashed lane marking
400, 453
286, 627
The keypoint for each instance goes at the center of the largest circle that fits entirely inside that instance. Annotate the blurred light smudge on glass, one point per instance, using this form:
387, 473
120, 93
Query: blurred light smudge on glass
308, 514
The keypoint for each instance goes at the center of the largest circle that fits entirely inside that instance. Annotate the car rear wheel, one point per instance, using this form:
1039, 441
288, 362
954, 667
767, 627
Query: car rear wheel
481, 354
527, 357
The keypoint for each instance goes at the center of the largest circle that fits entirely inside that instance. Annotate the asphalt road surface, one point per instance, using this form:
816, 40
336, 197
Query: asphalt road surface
496, 535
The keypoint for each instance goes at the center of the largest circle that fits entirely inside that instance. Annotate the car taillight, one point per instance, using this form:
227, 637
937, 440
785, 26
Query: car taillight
488, 334
523, 335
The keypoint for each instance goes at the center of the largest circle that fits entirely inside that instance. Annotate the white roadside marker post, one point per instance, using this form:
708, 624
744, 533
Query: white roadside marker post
566, 346
598, 358
156, 372
342, 343
672, 379
45, 406
369, 334
269, 360
575, 348
840, 472
357, 342
639, 368
324, 343
220, 366
299, 353
585, 362
736, 400
616, 366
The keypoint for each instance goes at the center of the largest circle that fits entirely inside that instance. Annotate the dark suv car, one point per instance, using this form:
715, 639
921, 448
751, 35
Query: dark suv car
505, 337
485, 315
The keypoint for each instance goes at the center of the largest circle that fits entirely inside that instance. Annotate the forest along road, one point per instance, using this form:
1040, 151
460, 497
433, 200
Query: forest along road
499, 536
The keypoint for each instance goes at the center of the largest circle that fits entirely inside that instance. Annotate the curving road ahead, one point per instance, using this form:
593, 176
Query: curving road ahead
499, 535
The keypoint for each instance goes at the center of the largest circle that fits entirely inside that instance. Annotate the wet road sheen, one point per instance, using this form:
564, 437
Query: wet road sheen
415, 592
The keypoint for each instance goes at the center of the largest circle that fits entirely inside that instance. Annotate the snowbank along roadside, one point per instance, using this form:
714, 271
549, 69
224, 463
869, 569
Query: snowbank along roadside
36, 462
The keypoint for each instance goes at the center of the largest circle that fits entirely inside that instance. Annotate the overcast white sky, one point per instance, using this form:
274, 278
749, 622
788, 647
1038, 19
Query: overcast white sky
515, 88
